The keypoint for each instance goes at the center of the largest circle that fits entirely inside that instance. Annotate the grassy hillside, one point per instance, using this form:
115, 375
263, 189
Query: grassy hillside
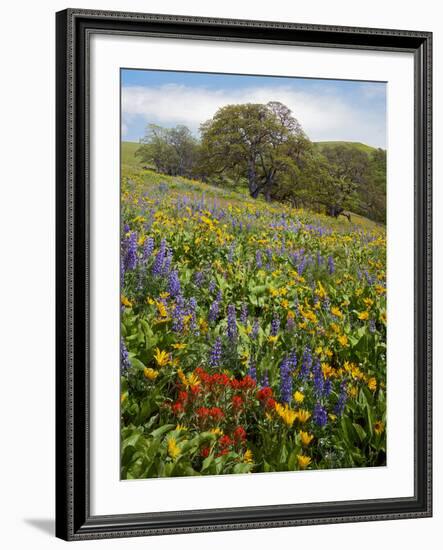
128, 150
131, 163
351, 144
253, 334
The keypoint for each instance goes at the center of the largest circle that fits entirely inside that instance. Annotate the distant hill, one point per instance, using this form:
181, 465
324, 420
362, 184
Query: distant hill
351, 144
128, 153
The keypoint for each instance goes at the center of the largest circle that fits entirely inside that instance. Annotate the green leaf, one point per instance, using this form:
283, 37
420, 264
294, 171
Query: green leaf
162, 430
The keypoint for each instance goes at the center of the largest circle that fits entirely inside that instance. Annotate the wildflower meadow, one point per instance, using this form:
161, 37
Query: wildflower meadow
253, 332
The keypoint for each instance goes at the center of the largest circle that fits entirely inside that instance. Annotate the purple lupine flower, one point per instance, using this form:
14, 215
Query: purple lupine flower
125, 363
318, 379
157, 266
198, 278
174, 284
285, 381
290, 324
167, 264
131, 252
327, 304
148, 248
232, 322
231, 252
192, 311
214, 308
320, 416
216, 353
122, 270
327, 388
244, 313
306, 363
370, 278
331, 265
301, 266
292, 361
126, 228
252, 371
178, 314
258, 259
255, 329
211, 286
275, 325
341, 402
265, 380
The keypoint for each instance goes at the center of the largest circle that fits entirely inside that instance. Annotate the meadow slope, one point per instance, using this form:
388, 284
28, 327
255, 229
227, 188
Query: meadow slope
253, 334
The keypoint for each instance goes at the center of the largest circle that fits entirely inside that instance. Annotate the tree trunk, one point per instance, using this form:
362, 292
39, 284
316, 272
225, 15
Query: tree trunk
254, 189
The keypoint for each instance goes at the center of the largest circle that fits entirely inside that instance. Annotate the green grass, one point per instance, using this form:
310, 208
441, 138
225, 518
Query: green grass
351, 144
128, 157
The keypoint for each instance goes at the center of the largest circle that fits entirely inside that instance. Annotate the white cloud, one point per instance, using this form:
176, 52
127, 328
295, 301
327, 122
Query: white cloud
323, 115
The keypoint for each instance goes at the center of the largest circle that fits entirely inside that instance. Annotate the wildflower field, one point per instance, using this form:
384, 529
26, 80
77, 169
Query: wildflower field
253, 335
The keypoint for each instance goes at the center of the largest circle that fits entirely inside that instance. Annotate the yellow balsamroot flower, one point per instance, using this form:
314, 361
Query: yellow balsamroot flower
327, 370
272, 339
320, 291
380, 289
368, 302
332, 416
284, 303
179, 346
125, 301
191, 380
303, 415
363, 316
123, 397
161, 309
287, 414
372, 384
353, 391
248, 457
150, 301
150, 374
216, 431
335, 328
383, 316
202, 323
305, 438
343, 339
164, 295
181, 428
174, 450
303, 461
356, 372
336, 312
161, 357
328, 353
299, 397
379, 427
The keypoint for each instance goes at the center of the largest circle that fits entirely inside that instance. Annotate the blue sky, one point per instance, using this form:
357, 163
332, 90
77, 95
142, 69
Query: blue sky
326, 109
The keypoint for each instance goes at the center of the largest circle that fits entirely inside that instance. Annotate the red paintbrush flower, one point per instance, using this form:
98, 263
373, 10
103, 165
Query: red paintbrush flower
237, 402
239, 434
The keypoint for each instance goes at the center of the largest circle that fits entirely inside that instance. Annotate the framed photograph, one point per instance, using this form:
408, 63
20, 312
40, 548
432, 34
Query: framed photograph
243, 274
